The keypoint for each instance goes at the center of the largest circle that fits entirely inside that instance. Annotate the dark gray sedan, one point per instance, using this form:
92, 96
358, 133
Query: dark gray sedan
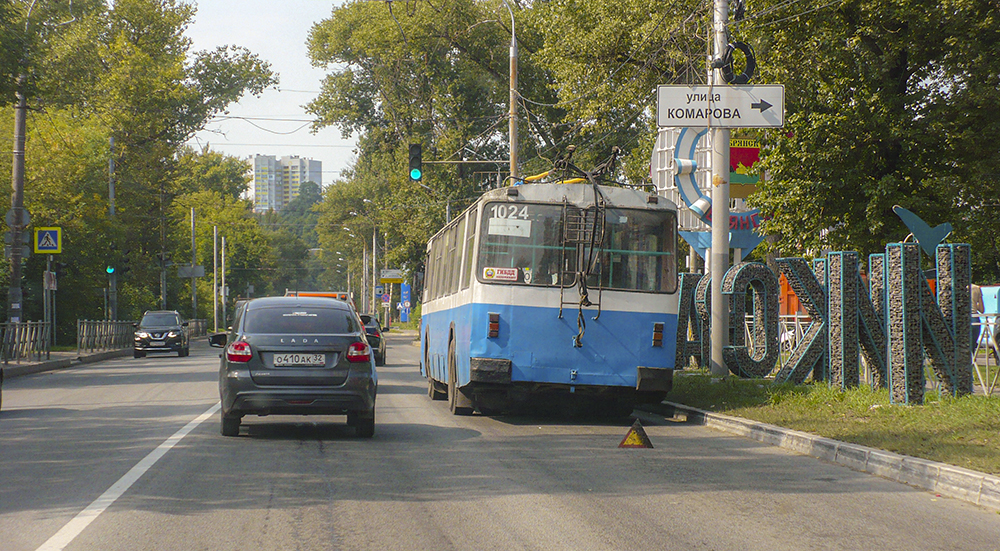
296, 356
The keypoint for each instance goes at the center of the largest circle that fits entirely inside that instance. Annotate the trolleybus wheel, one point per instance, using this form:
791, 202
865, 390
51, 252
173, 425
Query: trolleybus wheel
434, 391
458, 403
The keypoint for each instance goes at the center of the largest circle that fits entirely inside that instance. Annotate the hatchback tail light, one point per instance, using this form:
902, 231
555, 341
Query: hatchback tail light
239, 352
359, 352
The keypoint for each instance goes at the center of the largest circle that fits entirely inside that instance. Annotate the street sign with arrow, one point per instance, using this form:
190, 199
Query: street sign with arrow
721, 106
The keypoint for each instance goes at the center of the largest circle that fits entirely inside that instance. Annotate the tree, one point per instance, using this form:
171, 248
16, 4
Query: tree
96, 72
208, 170
892, 112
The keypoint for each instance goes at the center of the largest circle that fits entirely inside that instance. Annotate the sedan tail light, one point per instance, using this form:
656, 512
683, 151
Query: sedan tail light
239, 352
359, 352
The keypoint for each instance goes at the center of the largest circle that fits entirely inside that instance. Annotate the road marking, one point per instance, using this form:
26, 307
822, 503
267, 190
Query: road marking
72, 529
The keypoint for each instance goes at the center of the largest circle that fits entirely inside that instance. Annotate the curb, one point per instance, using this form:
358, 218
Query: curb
12, 371
947, 480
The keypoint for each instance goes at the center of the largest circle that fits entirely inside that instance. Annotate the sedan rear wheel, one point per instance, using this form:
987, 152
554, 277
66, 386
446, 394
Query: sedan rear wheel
230, 425
363, 423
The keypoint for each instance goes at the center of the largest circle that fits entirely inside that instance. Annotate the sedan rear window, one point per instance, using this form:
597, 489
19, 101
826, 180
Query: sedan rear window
299, 320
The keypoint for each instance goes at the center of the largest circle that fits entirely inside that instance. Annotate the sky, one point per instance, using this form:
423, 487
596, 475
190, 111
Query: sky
276, 32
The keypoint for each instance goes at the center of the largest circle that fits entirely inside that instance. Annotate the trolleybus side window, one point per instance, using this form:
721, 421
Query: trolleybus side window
470, 240
429, 276
438, 266
455, 255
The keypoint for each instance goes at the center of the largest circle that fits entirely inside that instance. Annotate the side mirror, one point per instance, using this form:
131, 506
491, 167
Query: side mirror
185, 324
218, 340
135, 325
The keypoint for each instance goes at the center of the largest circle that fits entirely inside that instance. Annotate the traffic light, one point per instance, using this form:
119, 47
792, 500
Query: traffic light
110, 269
123, 266
416, 168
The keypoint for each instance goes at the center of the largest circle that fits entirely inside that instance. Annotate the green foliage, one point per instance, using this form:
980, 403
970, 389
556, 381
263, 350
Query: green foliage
892, 112
208, 170
97, 72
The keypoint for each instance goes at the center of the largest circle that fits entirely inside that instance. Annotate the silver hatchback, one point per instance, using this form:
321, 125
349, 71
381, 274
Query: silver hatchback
296, 356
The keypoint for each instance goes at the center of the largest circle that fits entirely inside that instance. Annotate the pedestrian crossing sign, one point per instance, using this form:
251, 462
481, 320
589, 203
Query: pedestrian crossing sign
48, 240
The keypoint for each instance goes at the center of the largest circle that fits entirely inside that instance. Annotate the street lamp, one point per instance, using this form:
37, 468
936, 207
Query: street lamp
374, 254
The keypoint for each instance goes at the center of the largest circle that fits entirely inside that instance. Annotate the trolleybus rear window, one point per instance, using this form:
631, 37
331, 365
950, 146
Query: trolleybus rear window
524, 243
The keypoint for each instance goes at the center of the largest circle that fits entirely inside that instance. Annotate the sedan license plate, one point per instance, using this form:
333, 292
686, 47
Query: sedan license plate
299, 360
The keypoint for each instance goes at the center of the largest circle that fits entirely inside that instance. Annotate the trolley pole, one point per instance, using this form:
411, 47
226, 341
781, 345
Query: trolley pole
720, 210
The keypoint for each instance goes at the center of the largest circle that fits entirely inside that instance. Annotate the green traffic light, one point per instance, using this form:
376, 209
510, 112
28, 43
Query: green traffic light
415, 174
110, 269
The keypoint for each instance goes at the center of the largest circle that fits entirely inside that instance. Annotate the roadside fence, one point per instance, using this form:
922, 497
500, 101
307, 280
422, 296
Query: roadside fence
197, 328
28, 340
100, 335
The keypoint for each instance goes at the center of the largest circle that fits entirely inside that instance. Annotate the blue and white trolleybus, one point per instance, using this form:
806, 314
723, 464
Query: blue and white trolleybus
552, 289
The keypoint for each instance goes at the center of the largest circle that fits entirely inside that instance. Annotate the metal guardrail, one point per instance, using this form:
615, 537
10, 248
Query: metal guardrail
197, 328
28, 340
99, 335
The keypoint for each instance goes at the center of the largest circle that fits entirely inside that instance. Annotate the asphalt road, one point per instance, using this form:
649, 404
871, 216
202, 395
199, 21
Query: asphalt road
126, 454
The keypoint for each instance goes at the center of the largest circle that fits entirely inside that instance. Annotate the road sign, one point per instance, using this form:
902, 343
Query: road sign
379, 289
723, 106
385, 298
8, 251
18, 218
50, 281
391, 276
190, 271
48, 240
24, 238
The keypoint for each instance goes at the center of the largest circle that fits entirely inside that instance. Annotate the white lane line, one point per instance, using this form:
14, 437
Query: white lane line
68, 533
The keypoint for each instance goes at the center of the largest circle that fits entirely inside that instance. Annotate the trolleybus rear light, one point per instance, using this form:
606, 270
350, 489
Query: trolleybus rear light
494, 325
658, 334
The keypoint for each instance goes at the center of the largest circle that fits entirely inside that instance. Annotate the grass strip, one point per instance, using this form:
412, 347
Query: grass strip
964, 432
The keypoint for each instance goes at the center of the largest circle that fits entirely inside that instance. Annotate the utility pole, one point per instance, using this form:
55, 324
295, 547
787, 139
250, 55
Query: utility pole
20, 222
113, 276
374, 271
194, 279
720, 209
512, 129
215, 281
225, 320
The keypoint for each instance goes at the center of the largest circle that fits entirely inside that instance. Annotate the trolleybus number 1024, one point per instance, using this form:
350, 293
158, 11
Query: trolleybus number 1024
509, 211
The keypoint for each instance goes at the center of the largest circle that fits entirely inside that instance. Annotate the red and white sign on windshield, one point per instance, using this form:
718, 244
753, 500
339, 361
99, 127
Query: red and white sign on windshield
502, 274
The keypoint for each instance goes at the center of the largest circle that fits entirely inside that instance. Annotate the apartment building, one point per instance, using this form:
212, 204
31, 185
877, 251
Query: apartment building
276, 180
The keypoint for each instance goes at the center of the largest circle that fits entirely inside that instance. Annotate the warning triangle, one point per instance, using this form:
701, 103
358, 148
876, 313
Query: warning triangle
636, 437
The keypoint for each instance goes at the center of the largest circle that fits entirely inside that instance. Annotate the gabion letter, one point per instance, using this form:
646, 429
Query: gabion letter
811, 348
687, 315
759, 359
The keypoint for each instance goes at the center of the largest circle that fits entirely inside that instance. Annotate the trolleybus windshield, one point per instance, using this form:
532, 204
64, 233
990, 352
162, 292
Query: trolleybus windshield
524, 243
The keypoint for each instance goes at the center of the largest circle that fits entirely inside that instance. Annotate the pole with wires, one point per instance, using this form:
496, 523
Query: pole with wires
720, 209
